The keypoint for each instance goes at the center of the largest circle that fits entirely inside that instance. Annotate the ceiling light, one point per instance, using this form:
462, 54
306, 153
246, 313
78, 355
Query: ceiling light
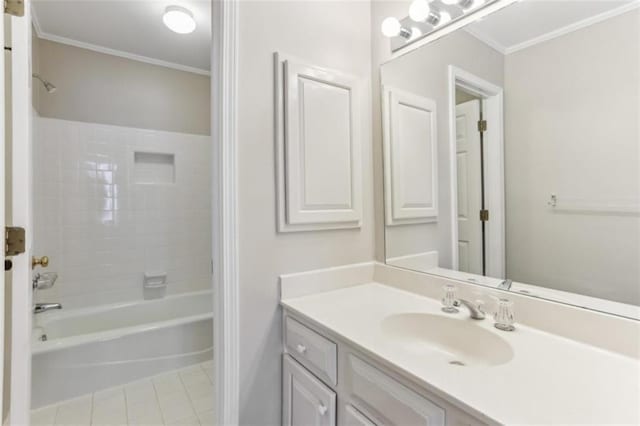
179, 20
391, 27
419, 10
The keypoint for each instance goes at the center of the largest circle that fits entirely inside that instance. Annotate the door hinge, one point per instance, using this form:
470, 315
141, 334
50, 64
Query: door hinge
484, 215
482, 125
14, 7
13, 241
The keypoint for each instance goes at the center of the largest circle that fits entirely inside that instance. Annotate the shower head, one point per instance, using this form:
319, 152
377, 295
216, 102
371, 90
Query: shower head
50, 88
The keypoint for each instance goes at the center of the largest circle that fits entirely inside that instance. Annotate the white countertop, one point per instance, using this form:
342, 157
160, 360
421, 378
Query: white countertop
550, 380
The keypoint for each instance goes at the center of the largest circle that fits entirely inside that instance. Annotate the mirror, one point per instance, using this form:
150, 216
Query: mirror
511, 153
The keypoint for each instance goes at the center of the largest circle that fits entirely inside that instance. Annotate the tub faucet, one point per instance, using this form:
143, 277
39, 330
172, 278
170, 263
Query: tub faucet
475, 309
44, 307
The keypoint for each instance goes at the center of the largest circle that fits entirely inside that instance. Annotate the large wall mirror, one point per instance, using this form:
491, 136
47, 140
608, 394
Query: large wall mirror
512, 153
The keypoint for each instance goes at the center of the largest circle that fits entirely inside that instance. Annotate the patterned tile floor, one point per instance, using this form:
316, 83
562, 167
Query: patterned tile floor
180, 397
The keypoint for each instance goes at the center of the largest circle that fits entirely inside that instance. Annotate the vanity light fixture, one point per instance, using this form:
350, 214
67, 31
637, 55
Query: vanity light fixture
179, 19
436, 18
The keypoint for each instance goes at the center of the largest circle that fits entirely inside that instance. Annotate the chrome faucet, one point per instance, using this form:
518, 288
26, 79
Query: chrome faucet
505, 285
44, 307
475, 309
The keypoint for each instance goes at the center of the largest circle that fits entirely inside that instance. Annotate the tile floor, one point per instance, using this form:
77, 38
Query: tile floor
180, 397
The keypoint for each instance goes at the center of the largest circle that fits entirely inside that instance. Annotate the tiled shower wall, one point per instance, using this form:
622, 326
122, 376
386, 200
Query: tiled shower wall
101, 230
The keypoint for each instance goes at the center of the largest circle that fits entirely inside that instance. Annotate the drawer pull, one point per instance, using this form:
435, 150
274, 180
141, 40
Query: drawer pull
302, 349
322, 409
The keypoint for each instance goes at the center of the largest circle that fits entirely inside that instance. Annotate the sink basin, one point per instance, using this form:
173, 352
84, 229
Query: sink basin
457, 341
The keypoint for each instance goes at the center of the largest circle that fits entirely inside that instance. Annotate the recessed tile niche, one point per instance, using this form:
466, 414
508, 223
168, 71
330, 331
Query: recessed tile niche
154, 168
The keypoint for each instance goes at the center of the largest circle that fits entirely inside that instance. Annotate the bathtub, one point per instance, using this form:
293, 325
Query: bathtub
95, 348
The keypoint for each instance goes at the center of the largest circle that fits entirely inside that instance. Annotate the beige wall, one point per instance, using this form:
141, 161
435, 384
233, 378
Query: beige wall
98, 88
572, 128
329, 34
425, 72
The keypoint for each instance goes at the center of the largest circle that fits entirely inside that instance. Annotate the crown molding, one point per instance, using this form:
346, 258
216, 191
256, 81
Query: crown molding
489, 41
108, 51
592, 20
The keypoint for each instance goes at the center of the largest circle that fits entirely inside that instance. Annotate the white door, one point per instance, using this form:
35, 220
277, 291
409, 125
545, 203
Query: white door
468, 155
21, 216
306, 401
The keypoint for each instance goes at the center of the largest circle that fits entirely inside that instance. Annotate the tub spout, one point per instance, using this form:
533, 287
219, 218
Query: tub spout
44, 307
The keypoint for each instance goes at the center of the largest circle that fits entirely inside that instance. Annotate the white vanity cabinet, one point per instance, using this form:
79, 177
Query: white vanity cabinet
306, 400
327, 382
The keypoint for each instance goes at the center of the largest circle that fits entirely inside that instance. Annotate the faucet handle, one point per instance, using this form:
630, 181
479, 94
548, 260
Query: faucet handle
45, 280
504, 317
450, 301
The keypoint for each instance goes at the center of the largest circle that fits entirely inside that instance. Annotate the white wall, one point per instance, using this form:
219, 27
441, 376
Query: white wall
98, 88
425, 72
328, 34
572, 128
101, 230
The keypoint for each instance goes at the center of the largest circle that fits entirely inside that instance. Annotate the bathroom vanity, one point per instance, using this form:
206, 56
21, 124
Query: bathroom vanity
369, 344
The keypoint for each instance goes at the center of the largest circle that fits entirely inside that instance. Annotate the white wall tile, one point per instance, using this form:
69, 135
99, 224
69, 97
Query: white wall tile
101, 230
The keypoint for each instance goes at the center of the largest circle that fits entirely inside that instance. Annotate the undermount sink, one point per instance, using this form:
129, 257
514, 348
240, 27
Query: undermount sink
458, 341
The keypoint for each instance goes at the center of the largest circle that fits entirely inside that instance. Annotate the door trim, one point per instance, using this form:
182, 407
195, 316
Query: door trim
492, 104
21, 294
224, 77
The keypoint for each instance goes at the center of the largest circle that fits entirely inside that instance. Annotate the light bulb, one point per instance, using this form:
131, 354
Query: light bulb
419, 10
179, 20
444, 18
449, 2
415, 33
391, 27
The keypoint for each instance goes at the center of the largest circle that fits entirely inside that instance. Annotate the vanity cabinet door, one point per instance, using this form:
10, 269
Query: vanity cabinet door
306, 400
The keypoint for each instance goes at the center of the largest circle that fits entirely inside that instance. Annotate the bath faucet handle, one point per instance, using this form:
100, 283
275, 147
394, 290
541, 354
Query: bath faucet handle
45, 280
504, 317
449, 299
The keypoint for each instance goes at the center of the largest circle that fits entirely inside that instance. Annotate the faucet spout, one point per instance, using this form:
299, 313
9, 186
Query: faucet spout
505, 285
475, 309
44, 307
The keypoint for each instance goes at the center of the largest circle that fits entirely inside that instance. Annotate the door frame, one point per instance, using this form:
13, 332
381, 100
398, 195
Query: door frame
225, 262
21, 293
493, 111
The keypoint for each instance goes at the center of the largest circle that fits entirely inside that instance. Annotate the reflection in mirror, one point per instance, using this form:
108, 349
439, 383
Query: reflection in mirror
511, 153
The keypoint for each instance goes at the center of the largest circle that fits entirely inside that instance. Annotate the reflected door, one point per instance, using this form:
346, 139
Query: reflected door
468, 153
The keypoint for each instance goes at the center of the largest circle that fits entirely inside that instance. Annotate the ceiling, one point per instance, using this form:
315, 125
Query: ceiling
531, 21
129, 28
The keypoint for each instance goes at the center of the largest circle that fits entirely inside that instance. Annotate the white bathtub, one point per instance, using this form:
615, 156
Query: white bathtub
96, 348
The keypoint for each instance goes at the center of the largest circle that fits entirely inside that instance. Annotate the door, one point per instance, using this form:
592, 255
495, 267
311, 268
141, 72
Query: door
468, 158
306, 401
20, 215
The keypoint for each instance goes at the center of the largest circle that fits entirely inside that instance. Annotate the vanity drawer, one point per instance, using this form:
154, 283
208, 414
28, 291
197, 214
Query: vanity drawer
385, 400
312, 350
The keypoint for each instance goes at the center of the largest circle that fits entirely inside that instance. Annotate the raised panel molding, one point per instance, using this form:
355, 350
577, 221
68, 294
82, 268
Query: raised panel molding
410, 158
318, 147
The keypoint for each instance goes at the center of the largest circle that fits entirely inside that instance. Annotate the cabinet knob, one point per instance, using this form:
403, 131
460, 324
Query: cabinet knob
301, 349
322, 409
